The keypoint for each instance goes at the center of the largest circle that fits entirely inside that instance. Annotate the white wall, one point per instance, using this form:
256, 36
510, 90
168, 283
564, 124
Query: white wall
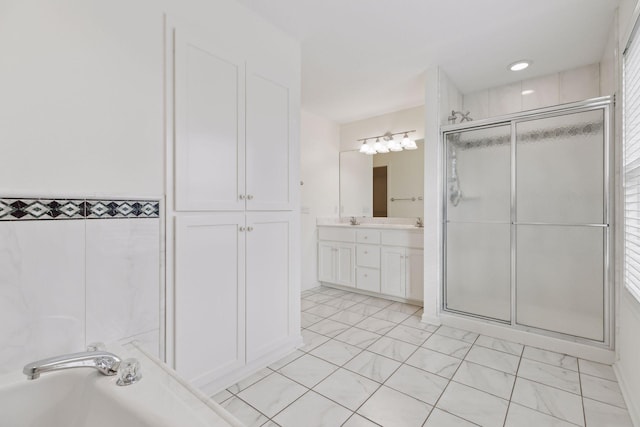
553, 89
319, 170
627, 307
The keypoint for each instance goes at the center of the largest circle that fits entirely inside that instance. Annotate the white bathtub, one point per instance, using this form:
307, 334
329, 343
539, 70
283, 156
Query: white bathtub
83, 397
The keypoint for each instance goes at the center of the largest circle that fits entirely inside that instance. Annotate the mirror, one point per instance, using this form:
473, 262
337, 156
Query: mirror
382, 185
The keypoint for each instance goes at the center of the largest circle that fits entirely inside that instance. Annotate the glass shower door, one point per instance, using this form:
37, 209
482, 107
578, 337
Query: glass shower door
560, 224
478, 222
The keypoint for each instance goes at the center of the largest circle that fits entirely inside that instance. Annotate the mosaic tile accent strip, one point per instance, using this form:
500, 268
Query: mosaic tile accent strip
42, 209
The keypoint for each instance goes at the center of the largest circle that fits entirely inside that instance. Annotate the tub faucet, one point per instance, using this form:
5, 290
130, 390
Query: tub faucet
353, 221
105, 362
419, 222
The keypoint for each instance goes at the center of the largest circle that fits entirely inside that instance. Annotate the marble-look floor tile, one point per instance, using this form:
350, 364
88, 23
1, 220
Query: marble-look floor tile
408, 334
359, 421
347, 388
252, 379
416, 322
458, 334
392, 348
417, 383
308, 370
334, 292
391, 408
549, 400
378, 302
305, 304
348, 317
272, 394
340, 303
550, 357
391, 316
500, 345
596, 369
378, 326
270, 423
404, 308
323, 310
434, 362
602, 414
286, 360
312, 340
244, 413
473, 405
318, 298
372, 366
313, 410
493, 359
549, 375
358, 337
440, 418
364, 309
486, 379
336, 352
446, 345
221, 396
308, 319
328, 327
602, 390
352, 296
520, 416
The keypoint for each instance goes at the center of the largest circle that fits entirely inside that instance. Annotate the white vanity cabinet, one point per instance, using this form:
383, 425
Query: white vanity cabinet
232, 180
388, 262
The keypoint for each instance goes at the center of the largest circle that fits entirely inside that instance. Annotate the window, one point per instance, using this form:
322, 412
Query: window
631, 166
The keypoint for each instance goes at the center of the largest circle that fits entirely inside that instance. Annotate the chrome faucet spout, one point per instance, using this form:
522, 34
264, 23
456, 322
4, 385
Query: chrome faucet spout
105, 362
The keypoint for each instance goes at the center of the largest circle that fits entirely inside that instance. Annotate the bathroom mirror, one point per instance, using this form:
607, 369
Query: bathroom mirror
383, 185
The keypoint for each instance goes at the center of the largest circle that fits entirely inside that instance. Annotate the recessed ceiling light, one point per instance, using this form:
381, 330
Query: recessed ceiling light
519, 65
528, 91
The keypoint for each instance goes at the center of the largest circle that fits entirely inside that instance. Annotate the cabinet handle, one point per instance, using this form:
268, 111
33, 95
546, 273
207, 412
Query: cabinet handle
249, 196
241, 229
249, 228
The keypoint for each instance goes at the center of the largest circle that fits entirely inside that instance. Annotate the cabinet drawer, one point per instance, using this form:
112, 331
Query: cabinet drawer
368, 236
337, 234
368, 256
409, 239
368, 279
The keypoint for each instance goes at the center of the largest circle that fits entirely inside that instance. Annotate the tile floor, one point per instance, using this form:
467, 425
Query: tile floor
371, 362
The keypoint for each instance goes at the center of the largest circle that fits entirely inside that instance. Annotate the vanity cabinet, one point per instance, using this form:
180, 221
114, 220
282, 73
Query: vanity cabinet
233, 234
387, 261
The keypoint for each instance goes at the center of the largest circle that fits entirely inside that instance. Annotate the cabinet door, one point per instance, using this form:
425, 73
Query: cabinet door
392, 269
209, 141
209, 296
269, 144
270, 307
415, 274
326, 262
345, 264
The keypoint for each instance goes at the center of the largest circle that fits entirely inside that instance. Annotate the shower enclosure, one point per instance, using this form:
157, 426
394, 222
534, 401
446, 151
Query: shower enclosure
526, 228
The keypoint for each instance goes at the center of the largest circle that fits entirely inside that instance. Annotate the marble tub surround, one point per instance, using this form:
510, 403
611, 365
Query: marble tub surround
70, 276
416, 374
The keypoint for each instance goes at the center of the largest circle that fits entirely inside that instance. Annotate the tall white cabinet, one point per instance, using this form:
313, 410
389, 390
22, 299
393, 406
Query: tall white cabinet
233, 176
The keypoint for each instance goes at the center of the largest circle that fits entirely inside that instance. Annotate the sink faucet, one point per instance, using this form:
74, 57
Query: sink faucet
353, 220
105, 362
419, 222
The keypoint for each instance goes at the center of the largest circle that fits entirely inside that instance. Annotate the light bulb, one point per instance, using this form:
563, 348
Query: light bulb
364, 147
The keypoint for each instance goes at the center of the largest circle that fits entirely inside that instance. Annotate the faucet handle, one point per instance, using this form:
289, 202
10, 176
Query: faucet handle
96, 346
129, 372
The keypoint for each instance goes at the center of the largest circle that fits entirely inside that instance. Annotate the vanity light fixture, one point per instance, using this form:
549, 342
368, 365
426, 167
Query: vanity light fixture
528, 91
519, 65
387, 143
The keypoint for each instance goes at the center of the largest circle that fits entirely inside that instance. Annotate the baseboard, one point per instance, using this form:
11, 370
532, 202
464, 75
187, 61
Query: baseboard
632, 402
372, 294
434, 320
218, 384
583, 351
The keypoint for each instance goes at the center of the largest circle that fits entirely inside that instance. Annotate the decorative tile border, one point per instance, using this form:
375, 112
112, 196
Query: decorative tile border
33, 209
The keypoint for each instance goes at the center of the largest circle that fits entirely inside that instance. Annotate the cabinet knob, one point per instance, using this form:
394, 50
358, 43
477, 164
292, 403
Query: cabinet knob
366, 237
249, 196
365, 252
241, 229
249, 228
366, 275
241, 196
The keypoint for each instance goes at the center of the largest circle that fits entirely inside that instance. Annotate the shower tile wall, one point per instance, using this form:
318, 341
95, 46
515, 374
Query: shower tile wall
566, 86
71, 278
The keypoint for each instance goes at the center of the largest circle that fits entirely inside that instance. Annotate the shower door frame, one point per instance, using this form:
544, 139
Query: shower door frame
606, 104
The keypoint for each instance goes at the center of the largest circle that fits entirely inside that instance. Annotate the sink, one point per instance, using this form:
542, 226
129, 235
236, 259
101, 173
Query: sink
85, 398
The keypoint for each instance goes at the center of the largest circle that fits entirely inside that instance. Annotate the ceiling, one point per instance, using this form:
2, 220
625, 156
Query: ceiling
361, 58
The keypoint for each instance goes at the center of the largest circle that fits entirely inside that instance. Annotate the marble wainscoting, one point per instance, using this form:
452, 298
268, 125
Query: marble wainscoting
74, 272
